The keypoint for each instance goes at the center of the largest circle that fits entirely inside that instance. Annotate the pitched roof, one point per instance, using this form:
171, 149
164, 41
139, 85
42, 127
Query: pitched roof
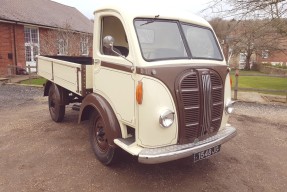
44, 13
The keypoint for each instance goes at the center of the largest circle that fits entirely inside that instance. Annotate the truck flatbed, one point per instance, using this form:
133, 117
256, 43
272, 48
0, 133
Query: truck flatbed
73, 73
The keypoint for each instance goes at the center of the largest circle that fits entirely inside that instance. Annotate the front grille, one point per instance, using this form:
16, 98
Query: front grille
200, 94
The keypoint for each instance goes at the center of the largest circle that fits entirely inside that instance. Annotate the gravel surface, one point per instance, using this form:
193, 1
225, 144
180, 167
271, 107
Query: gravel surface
276, 113
15, 95
37, 154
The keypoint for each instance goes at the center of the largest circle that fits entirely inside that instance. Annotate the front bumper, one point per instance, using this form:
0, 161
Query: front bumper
174, 152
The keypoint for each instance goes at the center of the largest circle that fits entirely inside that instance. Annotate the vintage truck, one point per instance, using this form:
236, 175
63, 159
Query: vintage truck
157, 87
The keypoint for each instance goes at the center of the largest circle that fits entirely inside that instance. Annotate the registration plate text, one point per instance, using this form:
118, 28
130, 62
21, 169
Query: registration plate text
206, 153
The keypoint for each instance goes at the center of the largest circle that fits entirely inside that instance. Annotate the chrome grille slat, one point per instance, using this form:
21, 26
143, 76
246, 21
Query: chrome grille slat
206, 90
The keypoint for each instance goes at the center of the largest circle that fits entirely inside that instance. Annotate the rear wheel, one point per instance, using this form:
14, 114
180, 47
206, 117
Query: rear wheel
57, 111
99, 141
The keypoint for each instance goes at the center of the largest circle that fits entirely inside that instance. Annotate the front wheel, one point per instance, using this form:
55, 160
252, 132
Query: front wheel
57, 111
98, 139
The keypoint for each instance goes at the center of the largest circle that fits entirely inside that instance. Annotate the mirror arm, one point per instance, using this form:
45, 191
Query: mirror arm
112, 48
108, 42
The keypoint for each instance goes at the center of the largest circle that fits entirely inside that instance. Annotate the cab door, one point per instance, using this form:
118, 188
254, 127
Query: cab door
113, 76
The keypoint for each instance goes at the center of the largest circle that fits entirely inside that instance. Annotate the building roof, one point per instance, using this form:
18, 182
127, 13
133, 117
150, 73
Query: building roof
44, 13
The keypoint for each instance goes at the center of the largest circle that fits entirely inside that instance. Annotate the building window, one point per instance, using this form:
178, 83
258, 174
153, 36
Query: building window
242, 57
27, 35
28, 53
62, 47
84, 45
31, 43
265, 54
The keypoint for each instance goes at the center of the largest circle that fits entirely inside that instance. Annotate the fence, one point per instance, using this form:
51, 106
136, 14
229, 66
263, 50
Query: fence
26, 72
236, 88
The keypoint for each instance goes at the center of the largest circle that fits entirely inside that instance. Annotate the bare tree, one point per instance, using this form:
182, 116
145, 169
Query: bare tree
240, 9
248, 38
273, 10
64, 41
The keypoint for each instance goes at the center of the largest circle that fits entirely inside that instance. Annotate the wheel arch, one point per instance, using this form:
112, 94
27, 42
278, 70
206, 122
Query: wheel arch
101, 105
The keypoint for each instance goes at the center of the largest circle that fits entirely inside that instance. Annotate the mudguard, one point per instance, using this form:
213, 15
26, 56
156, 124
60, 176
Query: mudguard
101, 105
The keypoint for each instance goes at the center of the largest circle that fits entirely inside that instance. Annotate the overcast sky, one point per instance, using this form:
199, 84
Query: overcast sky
87, 7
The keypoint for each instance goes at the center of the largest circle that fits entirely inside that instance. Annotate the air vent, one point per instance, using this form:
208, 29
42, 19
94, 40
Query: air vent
201, 96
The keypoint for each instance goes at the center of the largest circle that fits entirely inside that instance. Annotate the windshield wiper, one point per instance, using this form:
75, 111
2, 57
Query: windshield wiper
151, 21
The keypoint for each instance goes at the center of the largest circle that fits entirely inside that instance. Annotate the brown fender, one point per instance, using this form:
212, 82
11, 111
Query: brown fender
101, 105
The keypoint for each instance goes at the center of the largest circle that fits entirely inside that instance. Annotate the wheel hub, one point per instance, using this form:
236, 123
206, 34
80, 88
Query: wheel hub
100, 136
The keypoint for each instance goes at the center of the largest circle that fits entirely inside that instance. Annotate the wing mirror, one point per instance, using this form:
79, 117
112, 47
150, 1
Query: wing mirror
108, 42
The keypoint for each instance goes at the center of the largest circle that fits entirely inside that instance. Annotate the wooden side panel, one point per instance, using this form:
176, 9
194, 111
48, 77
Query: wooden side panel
62, 73
45, 69
67, 77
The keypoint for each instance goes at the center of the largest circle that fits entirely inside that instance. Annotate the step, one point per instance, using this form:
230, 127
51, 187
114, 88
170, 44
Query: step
4, 80
129, 145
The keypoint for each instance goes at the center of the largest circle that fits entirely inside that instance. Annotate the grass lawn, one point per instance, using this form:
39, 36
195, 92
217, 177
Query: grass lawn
259, 82
244, 81
37, 81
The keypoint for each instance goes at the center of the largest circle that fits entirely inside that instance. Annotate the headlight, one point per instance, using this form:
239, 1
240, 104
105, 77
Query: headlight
229, 107
166, 118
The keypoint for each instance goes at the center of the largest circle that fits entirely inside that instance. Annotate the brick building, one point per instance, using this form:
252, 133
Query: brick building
32, 27
278, 57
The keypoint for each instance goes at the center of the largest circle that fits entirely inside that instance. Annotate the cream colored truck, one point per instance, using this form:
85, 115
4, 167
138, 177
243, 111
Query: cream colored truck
157, 86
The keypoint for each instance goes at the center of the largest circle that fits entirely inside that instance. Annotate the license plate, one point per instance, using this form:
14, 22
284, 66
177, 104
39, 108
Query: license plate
206, 153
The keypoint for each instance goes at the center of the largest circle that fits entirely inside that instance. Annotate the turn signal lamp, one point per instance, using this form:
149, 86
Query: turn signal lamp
139, 92
228, 71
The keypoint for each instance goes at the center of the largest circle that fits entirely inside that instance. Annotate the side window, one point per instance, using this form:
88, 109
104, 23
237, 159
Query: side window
62, 47
112, 26
84, 44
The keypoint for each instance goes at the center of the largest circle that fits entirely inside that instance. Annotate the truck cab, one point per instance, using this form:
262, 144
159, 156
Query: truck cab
160, 86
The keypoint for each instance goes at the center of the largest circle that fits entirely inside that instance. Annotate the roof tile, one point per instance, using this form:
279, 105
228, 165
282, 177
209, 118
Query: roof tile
45, 12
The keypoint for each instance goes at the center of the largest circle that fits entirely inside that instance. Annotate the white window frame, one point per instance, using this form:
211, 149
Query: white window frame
265, 54
242, 57
62, 47
84, 45
31, 44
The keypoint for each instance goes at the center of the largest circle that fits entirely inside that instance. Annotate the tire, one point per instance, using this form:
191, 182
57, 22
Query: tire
57, 111
105, 153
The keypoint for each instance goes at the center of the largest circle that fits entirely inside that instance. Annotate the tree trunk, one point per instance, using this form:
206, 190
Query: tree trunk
247, 65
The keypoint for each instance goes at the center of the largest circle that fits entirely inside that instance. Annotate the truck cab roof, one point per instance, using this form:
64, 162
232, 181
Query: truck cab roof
132, 12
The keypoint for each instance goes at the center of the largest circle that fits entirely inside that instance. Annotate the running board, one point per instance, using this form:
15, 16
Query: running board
76, 107
128, 145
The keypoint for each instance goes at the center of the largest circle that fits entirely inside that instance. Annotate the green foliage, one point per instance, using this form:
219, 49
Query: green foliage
37, 81
275, 66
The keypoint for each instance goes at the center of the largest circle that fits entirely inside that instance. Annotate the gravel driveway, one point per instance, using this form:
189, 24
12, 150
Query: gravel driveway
37, 154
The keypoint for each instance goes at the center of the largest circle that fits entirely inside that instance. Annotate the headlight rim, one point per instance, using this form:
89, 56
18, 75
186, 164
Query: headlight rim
163, 117
229, 107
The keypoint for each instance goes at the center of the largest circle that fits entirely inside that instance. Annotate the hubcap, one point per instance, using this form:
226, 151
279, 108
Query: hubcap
100, 135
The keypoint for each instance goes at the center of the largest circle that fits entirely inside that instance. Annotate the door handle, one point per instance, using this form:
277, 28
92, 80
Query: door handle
96, 61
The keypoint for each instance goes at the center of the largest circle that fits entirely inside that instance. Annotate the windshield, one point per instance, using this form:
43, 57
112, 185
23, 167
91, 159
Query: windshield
165, 39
